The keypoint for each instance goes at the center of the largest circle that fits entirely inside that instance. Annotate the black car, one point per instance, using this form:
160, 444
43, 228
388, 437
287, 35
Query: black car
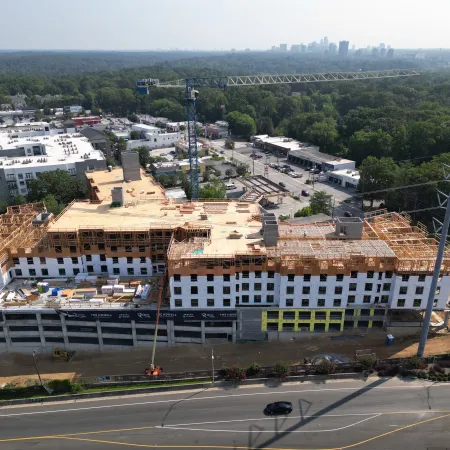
348, 214
281, 184
279, 408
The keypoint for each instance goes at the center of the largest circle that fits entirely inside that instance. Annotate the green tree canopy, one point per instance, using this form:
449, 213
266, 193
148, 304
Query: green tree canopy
321, 203
214, 189
241, 124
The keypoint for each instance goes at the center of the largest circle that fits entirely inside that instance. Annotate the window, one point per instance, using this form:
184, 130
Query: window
194, 302
237, 287
58, 249
438, 290
245, 299
419, 290
130, 271
257, 274
245, 274
422, 277
366, 299
226, 302
337, 302
210, 302
270, 274
386, 287
142, 259
351, 299
177, 291
210, 289
323, 277
401, 302
403, 290
305, 302
320, 302
60, 260
62, 272
128, 249
388, 274
291, 277
270, 286
103, 258
257, 299
339, 277
43, 261
32, 272
338, 290
354, 274
88, 258
384, 298
352, 287
44, 272
87, 246
368, 286
75, 271
177, 277
306, 290
114, 248
30, 261
74, 260
370, 274
257, 286
101, 246
193, 278
270, 299
16, 261
115, 260
417, 302
289, 302
226, 290
194, 289
20, 176
104, 268
307, 278
405, 277
178, 303
129, 260
144, 271
322, 289
18, 273
90, 268
116, 271
209, 277
289, 290
226, 277
237, 276
245, 286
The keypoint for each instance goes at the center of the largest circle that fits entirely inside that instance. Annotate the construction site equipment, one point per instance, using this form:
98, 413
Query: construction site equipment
60, 354
191, 94
154, 372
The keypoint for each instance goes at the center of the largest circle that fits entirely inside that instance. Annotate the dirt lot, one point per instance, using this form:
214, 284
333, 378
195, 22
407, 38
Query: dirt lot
197, 357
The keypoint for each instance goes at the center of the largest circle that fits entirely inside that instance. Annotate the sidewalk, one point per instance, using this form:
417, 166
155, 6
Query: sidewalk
197, 357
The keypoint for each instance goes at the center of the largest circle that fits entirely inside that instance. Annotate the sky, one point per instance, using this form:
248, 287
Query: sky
220, 24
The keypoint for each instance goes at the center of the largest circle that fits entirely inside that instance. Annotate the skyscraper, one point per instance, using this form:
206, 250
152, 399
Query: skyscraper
332, 48
325, 41
390, 53
343, 48
283, 47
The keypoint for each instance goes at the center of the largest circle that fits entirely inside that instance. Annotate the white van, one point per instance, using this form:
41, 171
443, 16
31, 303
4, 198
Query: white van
230, 186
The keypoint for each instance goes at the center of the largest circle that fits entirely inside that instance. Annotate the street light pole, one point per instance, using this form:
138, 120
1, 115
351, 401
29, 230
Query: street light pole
212, 362
35, 365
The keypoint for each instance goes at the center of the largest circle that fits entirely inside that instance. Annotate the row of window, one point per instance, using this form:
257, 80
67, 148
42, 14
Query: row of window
115, 260
306, 277
113, 248
90, 269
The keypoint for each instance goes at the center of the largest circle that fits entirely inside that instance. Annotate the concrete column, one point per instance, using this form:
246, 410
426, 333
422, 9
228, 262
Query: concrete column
133, 332
170, 333
41, 330
99, 335
234, 332
203, 333
7, 338
64, 331
447, 316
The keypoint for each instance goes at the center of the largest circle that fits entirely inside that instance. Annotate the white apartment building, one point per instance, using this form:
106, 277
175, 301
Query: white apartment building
153, 137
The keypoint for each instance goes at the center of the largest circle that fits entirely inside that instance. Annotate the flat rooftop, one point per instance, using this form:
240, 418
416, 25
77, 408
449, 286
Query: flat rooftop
105, 181
315, 156
68, 148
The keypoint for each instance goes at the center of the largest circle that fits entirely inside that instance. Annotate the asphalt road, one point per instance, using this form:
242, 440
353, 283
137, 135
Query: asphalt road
377, 414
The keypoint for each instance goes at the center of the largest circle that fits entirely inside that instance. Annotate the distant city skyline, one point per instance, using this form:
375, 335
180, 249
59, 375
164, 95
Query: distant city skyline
197, 25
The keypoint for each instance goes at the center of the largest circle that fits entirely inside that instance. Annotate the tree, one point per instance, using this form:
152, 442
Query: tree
214, 189
19, 200
229, 172
229, 143
242, 169
135, 135
363, 144
133, 118
265, 126
321, 203
121, 145
182, 127
59, 183
304, 212
144, 155
376, 174
52, 204
206, 175
323, 134
241, 124
110, 161
3, 206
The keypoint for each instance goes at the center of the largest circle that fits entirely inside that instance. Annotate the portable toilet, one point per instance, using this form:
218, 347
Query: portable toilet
389, 339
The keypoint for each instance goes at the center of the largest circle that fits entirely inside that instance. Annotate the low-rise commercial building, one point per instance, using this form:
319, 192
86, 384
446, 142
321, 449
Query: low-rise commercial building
347, 178
218, 130
153, 137
311, 157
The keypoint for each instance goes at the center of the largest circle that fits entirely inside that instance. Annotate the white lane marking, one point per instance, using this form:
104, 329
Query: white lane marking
119, 405
271, 431
264, 418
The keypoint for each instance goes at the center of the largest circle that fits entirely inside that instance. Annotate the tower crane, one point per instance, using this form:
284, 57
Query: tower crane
220, 82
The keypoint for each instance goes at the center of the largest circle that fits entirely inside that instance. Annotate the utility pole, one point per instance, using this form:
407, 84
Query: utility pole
212, 362
37, 370
253, 166
437, 267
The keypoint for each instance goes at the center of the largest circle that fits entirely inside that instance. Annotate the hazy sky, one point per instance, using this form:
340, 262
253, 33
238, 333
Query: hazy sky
216, 24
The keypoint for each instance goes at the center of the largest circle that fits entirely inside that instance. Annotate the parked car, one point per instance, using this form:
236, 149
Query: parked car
295, 174
272, 165
278, 408
281, 184
348, 214
305, 193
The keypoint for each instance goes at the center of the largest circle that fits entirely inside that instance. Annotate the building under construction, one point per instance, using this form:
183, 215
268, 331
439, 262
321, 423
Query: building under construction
221, 270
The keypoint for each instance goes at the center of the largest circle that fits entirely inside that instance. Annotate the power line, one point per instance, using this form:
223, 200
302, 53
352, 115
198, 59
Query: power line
399, 187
